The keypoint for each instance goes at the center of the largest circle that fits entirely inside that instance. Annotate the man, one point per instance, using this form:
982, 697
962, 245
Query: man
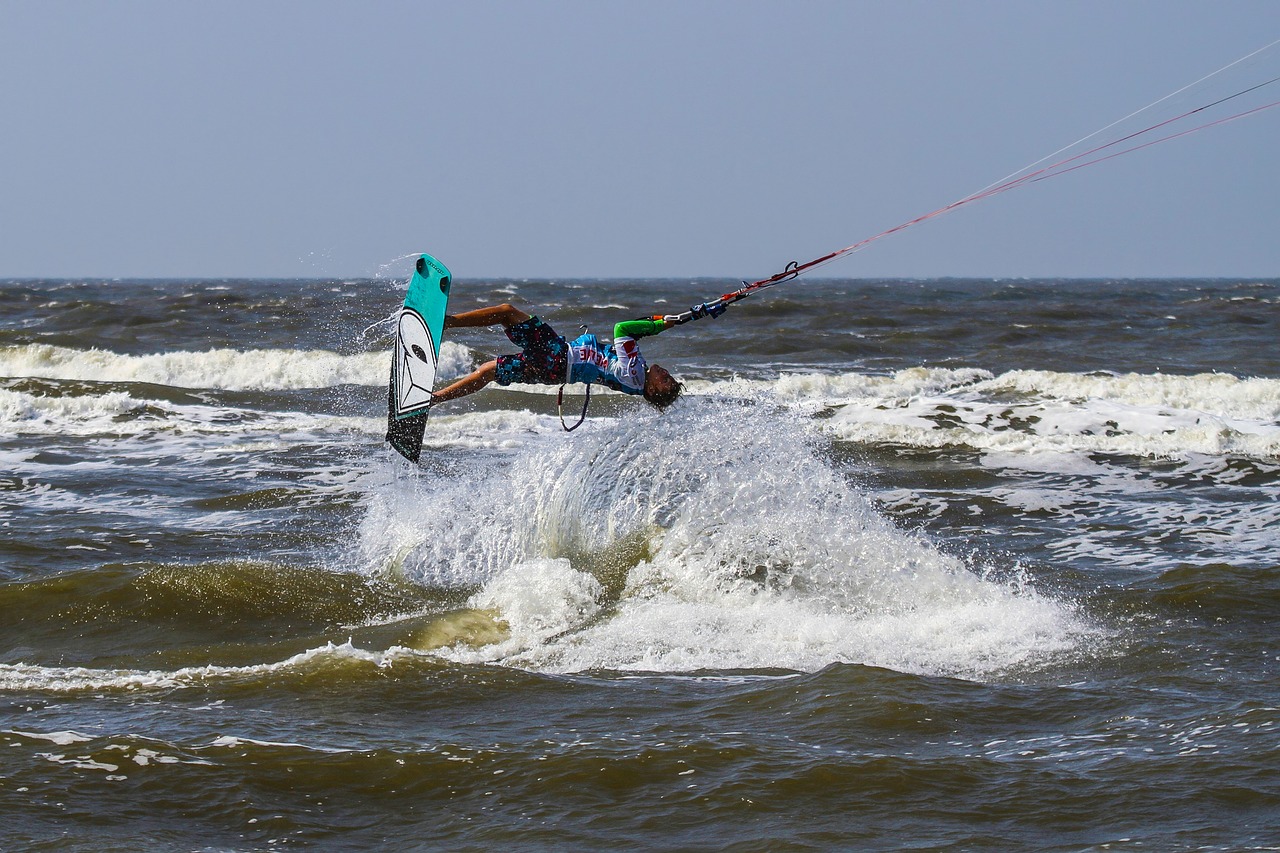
546, 358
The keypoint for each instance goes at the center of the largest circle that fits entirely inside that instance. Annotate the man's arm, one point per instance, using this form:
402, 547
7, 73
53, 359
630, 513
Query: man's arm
639, 328
653, 325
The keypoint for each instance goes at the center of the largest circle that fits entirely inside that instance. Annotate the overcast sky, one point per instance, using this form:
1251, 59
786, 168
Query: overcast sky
575, 139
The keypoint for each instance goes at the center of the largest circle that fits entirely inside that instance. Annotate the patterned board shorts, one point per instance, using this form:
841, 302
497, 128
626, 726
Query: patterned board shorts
543, 358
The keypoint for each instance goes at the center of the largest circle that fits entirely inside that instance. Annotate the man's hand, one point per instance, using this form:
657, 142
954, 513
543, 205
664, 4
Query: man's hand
714, 309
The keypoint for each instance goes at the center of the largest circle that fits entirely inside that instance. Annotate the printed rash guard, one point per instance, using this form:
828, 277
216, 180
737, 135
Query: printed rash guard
619, 365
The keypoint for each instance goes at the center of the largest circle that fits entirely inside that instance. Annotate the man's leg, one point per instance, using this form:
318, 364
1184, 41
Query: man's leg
508, 315
468, 384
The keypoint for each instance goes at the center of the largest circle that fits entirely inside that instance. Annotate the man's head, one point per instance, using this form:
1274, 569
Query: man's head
660, 387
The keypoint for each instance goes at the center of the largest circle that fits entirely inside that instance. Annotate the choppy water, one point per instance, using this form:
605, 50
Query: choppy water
914, 565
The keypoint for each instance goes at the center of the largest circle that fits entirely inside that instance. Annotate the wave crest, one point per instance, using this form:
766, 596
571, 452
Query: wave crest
217, 369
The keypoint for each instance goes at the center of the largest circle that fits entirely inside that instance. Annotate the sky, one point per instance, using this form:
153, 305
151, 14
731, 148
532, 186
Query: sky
570, 139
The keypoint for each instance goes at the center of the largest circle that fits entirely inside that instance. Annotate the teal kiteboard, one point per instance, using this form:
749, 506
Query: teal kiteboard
415, 356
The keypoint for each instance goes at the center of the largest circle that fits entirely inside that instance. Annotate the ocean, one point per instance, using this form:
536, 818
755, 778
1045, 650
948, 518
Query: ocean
912, 565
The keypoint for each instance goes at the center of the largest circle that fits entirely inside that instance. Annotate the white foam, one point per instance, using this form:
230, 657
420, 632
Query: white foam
842, 388
29, 413
231, 741
1041, 412
82, 762
1218, 394
537, 600
66, 738
55, 679
220, 369
1034, 412
120, 415
757, 554
1017, 413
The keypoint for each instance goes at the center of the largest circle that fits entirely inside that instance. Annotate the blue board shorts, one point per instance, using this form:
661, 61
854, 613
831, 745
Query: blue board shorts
543, 357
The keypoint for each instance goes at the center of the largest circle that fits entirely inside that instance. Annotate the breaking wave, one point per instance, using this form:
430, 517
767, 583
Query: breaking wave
219, 369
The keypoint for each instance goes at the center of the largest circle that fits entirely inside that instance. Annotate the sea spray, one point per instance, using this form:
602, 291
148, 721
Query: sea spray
757, 554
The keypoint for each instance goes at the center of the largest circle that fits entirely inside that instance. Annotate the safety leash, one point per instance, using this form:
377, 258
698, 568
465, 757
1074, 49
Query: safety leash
560, 409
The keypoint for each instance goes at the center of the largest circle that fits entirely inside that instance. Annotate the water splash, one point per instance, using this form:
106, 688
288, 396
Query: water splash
716, 536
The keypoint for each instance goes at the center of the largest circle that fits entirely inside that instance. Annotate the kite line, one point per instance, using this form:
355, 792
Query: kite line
1023, 177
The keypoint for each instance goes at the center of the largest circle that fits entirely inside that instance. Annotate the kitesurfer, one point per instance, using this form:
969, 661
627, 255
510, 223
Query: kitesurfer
547, 358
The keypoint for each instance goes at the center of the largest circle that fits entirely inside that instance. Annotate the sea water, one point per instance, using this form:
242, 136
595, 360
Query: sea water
911, 565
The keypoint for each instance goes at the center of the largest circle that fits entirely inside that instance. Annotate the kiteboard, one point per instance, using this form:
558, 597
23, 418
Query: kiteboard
415, 356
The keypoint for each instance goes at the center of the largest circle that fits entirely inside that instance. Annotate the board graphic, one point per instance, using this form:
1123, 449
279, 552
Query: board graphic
415, 356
